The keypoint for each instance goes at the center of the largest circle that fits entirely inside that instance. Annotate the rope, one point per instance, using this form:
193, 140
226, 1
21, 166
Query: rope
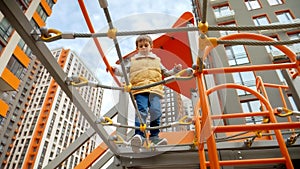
258, 43
187, 29
204, 14
246, 137
45, 36
253, 28
129, 33
109, 21
106, 121
79, 81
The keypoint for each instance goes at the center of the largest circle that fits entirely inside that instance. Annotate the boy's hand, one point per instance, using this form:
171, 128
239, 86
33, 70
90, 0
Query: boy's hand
178, 67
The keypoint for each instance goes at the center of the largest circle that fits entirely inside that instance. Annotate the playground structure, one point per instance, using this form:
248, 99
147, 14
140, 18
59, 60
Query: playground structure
200, 143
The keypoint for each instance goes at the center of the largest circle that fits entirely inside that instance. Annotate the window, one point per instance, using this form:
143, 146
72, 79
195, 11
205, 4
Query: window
222, 11
284, 17
23, 4
15, 66
5, 30
245, 79
275, 2
50, 3
291, 99
296, 46
224, 33
41, 12
25, 48
281, 78
236, 55
252, 106
1, 46
34, 24
273, 50
261, 20
252, 4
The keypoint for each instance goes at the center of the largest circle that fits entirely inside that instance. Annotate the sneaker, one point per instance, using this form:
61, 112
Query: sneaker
159, 141
136, 143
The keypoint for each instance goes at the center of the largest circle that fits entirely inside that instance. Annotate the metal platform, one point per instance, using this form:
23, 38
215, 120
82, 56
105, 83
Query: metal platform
186, 156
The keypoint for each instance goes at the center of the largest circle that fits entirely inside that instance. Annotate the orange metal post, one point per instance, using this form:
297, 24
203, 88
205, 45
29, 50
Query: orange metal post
199, 144
91, 158
97, 43
206, 130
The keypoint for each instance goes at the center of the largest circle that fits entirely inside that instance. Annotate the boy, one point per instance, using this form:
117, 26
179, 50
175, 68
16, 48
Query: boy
145, 68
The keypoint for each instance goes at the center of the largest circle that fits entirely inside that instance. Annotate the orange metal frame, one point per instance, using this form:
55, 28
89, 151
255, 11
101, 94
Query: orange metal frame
205, 123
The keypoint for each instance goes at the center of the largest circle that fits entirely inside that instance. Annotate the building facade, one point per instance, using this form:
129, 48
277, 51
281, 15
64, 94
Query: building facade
172, 109
252, 13
52, 121
18, 73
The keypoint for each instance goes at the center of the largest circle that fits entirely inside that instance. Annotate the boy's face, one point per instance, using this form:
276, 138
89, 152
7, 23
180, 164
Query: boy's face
144, 47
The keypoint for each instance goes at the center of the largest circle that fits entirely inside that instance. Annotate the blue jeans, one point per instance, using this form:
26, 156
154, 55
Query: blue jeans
151, 102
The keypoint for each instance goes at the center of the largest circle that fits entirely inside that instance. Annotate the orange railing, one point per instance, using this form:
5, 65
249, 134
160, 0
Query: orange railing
204, 129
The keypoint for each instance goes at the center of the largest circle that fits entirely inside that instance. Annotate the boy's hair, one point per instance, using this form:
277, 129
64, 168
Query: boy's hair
142, 38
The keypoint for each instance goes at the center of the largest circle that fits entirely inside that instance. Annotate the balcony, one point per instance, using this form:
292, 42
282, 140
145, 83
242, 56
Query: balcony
4, 108
278, 56
217, 2
225, 16
273, 31
8, 81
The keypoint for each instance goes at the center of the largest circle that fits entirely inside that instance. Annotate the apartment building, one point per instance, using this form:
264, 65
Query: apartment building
253, 13
172, 109
18, 72
52, 122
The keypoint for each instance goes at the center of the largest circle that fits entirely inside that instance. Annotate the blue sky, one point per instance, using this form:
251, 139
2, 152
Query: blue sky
127, 15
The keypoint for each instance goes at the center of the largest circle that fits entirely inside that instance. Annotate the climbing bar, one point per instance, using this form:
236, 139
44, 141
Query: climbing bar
258, 43
49, 35
106, 121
